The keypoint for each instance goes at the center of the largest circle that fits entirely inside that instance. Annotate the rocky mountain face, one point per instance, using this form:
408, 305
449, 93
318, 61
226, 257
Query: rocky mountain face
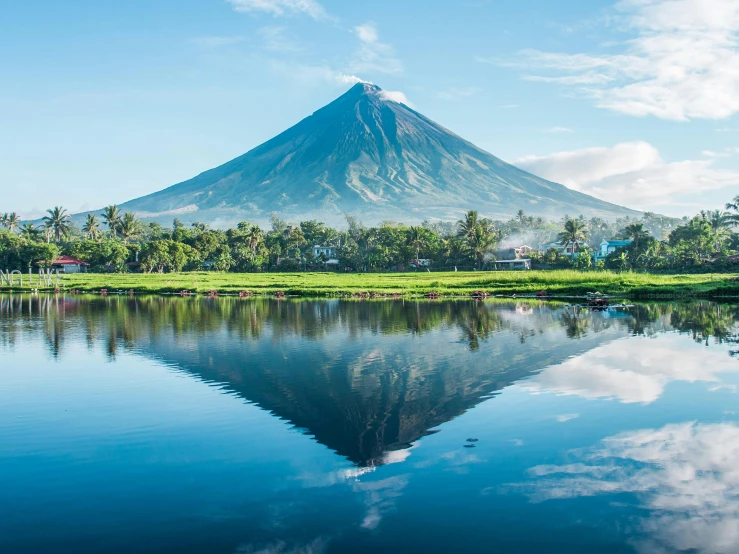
365, 154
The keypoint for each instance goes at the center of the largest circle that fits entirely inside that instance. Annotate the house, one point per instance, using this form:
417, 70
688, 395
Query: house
326, 251
520, 263
609, 246
561, 249
420, 262
522, 250
67, 264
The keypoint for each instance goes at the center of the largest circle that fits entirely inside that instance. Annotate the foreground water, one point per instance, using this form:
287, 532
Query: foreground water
258, 426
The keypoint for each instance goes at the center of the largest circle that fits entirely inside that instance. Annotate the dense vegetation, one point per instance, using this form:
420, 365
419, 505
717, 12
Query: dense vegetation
117, 242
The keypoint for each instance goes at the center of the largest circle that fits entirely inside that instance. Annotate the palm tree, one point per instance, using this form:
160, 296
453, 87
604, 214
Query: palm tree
112, 218
417, 239
91, 227
478, 234
129, 227
635, 231
10, 221
57, 222
721, 223
467, 225
574, 232
29, 232
734, 206
254, 237
520, 216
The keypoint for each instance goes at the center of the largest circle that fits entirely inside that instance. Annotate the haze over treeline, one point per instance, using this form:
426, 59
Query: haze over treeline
119, 241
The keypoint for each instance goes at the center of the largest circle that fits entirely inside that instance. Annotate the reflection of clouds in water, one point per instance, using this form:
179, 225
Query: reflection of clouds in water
380, 498
687, 476
317, 546
633, 372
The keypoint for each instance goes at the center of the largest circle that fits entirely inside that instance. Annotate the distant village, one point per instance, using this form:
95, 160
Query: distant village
120, 242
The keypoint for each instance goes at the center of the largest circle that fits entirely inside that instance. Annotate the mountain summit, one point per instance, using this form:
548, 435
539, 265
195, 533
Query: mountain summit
366, 153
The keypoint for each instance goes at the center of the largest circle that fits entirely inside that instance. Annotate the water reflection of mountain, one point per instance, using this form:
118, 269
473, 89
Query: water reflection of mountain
363, 378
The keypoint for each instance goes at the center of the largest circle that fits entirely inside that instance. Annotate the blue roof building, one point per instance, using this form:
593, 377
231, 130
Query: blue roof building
608, 246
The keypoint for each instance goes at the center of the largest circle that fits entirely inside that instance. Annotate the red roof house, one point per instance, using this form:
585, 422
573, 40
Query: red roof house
67, 264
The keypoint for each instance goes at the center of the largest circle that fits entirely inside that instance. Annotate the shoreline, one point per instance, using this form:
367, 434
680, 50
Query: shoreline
557, 284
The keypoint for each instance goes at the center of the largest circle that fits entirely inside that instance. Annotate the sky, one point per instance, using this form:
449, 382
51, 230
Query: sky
633, 101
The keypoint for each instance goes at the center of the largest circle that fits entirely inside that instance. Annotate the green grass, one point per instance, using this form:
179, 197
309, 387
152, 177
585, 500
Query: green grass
562, 282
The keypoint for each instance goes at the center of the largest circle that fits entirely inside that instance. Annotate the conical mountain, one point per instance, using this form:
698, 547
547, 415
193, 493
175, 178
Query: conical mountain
365, 153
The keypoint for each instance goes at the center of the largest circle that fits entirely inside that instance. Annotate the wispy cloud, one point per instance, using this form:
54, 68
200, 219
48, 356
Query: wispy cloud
683, 477
683, 62
558, 130
215, 41
373, 55
281, 7
457, 93
277, 39
634, 171
395, 96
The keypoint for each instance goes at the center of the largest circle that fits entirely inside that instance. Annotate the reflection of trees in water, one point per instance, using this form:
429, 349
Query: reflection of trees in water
706, 321
354, 394
124, 321
575, 322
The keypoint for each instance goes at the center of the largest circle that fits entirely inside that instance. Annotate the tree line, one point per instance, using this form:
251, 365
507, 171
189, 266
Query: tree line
116, 241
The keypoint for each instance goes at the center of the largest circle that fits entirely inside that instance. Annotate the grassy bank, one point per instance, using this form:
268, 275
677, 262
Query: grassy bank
563, 282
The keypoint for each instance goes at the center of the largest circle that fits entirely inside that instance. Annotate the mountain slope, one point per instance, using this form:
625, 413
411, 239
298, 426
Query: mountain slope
365, 153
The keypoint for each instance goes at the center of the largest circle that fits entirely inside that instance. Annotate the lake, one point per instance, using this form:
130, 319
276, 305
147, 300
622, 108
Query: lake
260, 426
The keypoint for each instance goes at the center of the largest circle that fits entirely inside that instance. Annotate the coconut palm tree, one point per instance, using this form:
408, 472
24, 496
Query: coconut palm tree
721, 224
467, 225
57, 222
91, 227
29, 232
574, 232
129, 227
10, 221
112, 217
635, 231
13, 222
479, 235
254, 237
417, 239
521, 216
734, 206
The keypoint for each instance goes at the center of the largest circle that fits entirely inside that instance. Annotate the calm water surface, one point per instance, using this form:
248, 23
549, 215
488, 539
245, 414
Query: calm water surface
259, 426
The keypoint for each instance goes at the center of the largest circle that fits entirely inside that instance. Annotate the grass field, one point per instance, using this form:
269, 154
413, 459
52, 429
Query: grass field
563, 282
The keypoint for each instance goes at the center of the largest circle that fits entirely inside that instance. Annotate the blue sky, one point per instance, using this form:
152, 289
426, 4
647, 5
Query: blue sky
632, 101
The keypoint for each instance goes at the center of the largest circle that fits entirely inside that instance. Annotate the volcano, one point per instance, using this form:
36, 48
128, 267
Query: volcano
367, 154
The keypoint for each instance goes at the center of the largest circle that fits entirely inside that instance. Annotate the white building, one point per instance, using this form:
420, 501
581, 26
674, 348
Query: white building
609, 246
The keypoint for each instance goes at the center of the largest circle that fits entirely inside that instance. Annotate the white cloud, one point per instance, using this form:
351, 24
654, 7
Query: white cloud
312, 75
379, 498
395, 96
373, 55
213, 42
457, 93
277, 39
564, 418
683, 62
684, 475
638, 374
558, 130
633, 173
281, 7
